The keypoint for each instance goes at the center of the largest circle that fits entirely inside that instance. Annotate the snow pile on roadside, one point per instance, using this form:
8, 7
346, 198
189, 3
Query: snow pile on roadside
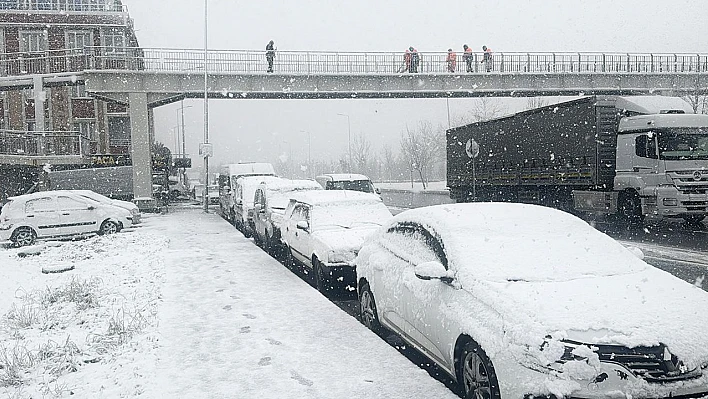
81, 332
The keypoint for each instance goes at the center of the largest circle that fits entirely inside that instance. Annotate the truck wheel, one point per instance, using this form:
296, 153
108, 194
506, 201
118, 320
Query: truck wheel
630, 209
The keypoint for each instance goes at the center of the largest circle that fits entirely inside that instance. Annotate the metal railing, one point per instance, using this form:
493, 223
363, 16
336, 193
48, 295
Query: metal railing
46, 143
64, 5
343, 63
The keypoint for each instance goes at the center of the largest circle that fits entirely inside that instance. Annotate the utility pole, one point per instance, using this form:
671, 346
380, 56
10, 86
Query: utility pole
206, 107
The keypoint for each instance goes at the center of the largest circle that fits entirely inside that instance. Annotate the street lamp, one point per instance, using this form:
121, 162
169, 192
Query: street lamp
206, 107
309, 152
349, 141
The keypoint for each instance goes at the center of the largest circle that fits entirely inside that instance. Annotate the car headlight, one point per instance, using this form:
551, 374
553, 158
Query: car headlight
341, 257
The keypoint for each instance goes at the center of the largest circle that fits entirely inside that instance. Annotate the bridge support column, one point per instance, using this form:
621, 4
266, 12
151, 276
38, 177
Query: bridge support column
140, 151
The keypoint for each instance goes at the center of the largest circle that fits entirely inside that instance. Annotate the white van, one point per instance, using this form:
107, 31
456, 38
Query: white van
346, 181
228, 183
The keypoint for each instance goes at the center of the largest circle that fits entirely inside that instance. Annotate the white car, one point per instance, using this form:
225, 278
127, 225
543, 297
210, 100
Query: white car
517, 301
58, 214
246, 187
269, 203
346, 181
323, 231
129, 206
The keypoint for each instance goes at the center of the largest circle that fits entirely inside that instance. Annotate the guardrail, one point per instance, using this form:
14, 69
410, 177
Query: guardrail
47, 143
343, 63
63, 5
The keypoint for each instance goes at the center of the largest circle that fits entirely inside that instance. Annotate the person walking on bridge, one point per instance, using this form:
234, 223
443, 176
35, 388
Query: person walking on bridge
451, 60
415, 60
487, 58
467, 56
270, 55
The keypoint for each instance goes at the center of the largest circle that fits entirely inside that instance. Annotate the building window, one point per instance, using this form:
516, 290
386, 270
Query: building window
31, 125
78, 40
79, 91
86, 129
114, 41
33, 41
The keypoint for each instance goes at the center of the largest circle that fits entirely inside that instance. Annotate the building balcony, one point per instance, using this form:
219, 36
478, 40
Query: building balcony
47, 147
62, 6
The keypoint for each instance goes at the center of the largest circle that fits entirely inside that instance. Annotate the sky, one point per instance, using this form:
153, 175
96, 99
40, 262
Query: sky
258, 130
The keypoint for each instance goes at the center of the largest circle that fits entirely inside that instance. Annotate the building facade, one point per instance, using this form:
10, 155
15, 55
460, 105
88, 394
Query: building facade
40, 37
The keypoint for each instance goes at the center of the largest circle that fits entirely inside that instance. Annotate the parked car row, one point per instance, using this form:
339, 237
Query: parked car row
511, 300
63, 213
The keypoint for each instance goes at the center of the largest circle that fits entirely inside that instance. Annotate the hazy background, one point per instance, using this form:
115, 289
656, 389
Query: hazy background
260, 130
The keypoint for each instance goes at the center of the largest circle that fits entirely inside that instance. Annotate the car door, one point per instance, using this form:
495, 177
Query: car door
41, 213
76, 215
299, 239
421, 300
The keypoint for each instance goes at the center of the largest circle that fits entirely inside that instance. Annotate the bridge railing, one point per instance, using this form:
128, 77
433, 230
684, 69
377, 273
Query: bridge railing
46, 143
336, 63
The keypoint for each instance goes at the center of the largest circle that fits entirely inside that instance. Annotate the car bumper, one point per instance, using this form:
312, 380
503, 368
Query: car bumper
5, 235
136, 218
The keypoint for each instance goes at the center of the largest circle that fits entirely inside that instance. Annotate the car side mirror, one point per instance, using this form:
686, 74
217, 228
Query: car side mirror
303, 225
433, 271
378, 191
91, 207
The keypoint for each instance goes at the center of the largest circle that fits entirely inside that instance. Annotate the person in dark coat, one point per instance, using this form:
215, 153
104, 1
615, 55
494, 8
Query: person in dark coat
415, 60
468, 57
487, 58
270, 55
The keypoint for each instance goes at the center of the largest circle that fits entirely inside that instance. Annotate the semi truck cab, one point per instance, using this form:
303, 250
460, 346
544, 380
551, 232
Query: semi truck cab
662, 166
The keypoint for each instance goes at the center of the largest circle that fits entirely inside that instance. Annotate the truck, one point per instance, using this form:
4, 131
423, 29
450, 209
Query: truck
630, 159
229, 198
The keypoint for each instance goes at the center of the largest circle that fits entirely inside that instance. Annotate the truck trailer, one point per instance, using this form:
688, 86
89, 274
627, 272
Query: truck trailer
636, 158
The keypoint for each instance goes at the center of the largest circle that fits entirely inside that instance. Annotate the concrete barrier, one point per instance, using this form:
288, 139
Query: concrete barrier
406, 199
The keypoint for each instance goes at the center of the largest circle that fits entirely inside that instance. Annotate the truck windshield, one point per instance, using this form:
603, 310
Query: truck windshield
683, 144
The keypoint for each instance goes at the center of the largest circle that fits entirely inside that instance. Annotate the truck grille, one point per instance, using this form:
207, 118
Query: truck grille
647, 362
687, 184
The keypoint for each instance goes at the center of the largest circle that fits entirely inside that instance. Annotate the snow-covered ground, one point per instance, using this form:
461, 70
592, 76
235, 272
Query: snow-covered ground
183, 306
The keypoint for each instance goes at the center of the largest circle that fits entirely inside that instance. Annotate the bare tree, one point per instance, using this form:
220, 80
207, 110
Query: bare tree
486, 108
422, 146
361, 153
698, 102
536, 102
389, 162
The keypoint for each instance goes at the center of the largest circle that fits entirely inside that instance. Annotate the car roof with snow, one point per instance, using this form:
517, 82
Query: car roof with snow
343, 177
285, 185
40, 194
325, 197
521, 242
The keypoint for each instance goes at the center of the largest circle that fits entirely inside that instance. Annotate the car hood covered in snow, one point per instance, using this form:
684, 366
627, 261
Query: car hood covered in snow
340, 239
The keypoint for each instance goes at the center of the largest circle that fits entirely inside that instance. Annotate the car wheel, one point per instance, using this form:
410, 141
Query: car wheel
321, 281
367, 309
24, 236
475, 374
108, 227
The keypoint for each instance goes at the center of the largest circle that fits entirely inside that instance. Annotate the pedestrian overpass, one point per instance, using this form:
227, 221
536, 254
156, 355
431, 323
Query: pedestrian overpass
145, 78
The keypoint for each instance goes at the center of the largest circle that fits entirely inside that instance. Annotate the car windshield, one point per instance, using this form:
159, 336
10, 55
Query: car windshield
350, 214
679, 144
355, 185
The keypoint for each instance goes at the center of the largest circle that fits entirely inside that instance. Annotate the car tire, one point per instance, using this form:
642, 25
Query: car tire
318, 277
476, 376
367, 309
23, 237
108, 227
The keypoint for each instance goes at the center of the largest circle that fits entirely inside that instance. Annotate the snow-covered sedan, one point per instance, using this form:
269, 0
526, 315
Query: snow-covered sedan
129, 206
323, 230
269, 203
515, 300
49, 214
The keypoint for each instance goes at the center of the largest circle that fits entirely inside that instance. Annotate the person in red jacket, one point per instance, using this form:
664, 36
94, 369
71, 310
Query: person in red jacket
451, 60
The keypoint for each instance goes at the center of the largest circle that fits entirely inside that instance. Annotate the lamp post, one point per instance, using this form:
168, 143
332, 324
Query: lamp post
309, 152
349, 140
206, 107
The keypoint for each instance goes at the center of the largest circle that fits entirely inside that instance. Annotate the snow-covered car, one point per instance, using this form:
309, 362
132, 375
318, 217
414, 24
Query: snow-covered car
323, 231
244, 194
58, 214
514, 300
270, 202
346, 181
129, 206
